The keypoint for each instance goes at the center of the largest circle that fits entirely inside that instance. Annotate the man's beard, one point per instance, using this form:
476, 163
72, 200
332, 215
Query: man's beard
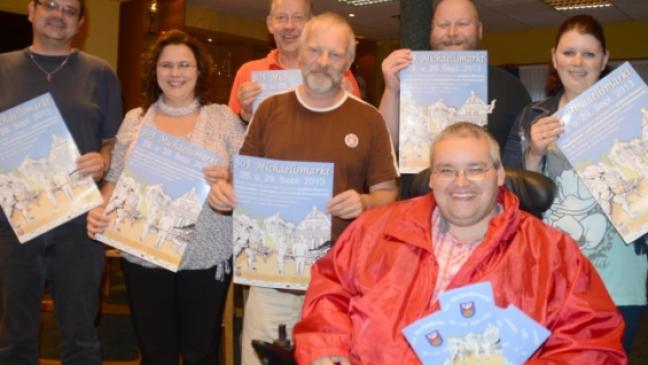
323, 80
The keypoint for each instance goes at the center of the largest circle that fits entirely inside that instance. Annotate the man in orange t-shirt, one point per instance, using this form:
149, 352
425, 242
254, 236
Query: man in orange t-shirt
285, 22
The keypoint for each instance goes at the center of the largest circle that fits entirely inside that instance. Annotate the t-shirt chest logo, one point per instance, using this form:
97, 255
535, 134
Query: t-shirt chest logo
351, 140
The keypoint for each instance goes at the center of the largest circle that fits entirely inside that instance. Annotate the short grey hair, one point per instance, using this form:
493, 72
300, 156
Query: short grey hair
307, 5
329, 19
468, 130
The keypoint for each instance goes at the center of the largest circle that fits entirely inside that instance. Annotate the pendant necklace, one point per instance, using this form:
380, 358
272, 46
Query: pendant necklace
54, 71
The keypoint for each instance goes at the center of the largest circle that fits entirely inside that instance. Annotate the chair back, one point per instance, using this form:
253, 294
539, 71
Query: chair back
535, 191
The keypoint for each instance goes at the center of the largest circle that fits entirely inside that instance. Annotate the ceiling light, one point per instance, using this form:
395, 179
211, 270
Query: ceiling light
351, 15
563, 5
363, 2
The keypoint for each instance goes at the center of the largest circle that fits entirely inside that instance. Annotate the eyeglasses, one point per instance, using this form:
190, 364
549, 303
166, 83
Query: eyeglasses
470, 173
182, 66
285, 18
52, 5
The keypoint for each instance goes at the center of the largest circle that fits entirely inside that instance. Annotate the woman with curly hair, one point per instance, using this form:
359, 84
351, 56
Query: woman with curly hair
179, 314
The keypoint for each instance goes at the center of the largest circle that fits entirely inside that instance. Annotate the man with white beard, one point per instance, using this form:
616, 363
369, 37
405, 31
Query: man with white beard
318, 121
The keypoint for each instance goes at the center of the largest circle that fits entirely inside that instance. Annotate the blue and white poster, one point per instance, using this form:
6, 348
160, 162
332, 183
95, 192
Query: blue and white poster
274, 82
157, 199
40, 186
439, 88
281, 226
606, 142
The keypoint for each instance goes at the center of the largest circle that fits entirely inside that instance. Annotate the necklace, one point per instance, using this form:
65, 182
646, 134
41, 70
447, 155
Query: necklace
175, 111
51, 73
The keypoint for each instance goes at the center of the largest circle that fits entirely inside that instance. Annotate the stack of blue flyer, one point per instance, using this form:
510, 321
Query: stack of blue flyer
274, 82
471, 329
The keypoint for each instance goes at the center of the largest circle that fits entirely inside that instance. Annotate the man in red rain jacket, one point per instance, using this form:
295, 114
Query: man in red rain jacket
389, 266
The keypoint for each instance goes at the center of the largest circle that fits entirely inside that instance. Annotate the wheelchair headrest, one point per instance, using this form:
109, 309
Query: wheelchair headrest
534, 190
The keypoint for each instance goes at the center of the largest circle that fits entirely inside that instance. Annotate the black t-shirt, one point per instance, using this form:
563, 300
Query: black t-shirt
85, 90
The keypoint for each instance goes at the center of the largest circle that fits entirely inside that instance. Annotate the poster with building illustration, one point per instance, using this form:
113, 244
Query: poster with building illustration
274, 82
439, 88
280, 224
40, 186
606, 141
158, 197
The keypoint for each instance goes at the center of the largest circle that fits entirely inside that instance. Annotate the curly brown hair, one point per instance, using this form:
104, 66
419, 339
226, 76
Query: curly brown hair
151, 90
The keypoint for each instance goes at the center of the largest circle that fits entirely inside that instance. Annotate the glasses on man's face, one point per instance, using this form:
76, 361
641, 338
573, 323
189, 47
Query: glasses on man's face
283, 19
52, 5
476, 172
182, 66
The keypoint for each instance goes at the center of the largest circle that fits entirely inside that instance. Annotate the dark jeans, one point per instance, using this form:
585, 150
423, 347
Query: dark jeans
631, 315
176, 314
71, 264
